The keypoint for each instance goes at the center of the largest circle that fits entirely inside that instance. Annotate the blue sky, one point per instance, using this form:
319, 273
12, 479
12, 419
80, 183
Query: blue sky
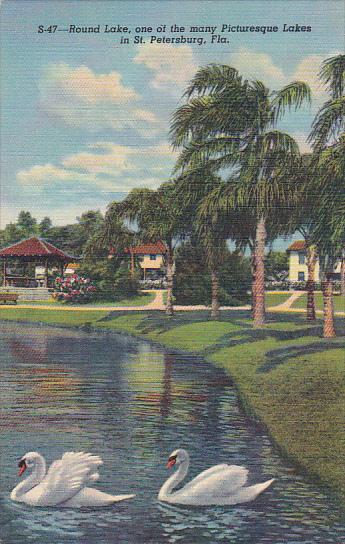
85, 118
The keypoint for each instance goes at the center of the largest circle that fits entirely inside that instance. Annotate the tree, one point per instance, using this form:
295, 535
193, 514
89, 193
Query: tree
27, 223
44, 226
192, 187
277, 266
158, 218
228, 123
328, 141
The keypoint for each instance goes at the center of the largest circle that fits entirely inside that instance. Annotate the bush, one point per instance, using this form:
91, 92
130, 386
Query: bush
74, 289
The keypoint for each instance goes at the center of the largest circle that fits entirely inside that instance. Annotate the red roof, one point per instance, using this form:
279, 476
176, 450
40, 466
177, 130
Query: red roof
158, 248
34, 247
299, 245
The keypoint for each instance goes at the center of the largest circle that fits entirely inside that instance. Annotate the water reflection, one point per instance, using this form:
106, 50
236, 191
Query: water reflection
133, 404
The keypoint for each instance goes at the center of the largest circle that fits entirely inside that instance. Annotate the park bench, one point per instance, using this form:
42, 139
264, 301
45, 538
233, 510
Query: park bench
8, 297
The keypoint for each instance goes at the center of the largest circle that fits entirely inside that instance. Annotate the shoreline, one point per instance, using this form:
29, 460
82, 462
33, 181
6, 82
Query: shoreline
250, 396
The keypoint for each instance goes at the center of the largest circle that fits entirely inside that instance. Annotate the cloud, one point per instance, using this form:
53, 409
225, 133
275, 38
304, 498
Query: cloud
81, 98
256, 65
105, 166
172, 66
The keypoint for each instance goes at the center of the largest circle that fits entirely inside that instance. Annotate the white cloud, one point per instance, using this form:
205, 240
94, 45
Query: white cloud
110, 167
172, 66
42, 174
256, 65
81, 98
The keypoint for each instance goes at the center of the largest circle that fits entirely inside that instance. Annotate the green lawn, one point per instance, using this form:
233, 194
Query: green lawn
339, 302
59, 317
273, 299
140, 300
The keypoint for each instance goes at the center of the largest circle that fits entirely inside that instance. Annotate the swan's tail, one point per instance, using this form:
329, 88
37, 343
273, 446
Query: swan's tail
250, 493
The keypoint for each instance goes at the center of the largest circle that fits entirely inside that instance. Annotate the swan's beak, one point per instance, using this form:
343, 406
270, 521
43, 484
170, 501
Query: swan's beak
22, 467
171, 462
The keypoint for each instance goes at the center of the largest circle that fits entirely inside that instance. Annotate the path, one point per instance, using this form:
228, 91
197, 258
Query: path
158, 304
286, 305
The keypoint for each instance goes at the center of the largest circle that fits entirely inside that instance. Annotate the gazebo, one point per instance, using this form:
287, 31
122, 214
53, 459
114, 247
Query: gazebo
32, 250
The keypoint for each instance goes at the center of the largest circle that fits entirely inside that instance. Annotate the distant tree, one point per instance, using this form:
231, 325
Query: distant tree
44, 226
276, 266
27, 224
159, 217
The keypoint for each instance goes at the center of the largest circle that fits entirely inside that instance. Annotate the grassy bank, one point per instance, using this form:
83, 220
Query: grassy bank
60, 317
286, 374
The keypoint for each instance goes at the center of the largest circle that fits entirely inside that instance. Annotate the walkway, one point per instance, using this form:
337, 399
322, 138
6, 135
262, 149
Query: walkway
158, 304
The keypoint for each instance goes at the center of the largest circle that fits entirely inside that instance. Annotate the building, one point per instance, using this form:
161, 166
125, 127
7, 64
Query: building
150, 258
298, 270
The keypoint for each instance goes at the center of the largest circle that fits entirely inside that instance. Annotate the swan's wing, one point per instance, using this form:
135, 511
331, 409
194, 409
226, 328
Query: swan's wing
67, 476
220, 480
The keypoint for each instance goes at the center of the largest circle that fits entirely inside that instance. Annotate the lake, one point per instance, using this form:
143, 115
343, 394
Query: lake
133, 403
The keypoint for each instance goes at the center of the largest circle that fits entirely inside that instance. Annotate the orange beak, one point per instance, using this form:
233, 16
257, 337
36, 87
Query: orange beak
171, 463
22, 469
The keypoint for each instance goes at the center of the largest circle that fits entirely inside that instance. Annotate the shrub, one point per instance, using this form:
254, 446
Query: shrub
74, 289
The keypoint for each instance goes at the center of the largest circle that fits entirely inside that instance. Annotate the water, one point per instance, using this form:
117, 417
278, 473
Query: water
133, 403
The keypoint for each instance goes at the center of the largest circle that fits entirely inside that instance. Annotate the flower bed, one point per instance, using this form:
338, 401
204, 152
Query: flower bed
74, 289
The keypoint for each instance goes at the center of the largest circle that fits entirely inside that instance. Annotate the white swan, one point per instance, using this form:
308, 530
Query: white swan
64, 484
219, 485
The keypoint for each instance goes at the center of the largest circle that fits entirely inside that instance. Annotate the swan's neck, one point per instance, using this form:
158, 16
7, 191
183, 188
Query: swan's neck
31, 481
174, 480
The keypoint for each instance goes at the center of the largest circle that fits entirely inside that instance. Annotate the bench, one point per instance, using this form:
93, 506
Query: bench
8, 297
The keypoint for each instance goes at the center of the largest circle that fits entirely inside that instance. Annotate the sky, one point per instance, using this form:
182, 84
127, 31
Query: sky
85, 118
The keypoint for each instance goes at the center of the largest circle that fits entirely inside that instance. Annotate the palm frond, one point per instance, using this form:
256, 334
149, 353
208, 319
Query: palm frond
332, 73
212, 78
329, 121
290, 96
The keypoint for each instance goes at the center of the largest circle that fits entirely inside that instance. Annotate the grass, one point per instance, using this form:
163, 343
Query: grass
140, 300
60, 317
273, 299
339, 302
287, 375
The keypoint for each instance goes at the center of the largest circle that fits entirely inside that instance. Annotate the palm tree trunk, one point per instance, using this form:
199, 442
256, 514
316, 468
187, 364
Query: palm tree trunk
342, 276
252, 267
328, 308
215, 290
259, 275
169, 309
311, 262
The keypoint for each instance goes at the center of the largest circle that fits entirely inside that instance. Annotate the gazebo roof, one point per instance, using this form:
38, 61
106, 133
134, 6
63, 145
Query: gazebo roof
34, 248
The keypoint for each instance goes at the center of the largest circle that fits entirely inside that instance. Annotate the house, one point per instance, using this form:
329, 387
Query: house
150, 258
298, 270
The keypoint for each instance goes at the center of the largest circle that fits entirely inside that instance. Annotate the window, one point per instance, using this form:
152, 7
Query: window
301, 258
301, 276
153, 257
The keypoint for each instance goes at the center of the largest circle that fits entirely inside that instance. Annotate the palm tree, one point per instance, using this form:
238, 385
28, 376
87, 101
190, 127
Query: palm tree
229, 124
328, 141
157, 217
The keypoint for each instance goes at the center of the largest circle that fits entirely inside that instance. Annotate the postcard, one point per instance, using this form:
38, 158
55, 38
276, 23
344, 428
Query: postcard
172, 296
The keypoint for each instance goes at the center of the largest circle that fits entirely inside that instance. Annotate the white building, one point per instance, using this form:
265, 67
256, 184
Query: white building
298, 270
